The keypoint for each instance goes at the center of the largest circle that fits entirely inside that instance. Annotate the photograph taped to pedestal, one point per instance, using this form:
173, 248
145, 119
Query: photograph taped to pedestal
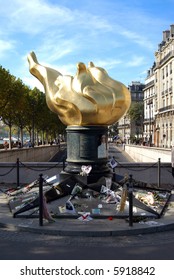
102, 146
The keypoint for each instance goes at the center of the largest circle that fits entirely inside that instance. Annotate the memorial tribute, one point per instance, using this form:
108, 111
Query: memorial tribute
87, 103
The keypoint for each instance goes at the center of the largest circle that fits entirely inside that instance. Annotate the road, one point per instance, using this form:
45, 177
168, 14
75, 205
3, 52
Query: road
15, 245
61, 155
119, 153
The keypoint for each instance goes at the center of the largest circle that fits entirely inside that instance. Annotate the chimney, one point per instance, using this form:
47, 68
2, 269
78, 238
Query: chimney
172, 30
166, 35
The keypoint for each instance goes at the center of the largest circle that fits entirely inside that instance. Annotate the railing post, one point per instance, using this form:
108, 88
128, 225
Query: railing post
130, 195
63, 163
17, 172
40, 200
159, 173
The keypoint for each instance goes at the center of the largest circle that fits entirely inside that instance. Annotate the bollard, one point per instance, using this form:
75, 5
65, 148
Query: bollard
114, 175
159, 173
40, 200
17, 172
173, 172
130, 195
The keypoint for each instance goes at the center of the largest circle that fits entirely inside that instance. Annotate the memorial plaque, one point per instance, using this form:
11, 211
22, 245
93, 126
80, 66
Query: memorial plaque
88, 146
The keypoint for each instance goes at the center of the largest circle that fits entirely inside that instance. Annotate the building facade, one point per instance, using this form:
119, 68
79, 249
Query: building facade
158, 95
127, 129
149, 107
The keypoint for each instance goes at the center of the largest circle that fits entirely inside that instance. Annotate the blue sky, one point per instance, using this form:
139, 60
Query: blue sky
118, 35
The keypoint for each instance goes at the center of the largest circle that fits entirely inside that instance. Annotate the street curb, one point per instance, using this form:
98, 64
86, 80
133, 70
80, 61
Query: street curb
91, 233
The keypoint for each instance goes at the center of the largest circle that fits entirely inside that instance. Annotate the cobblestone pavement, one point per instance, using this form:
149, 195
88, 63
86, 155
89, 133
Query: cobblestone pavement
75, 241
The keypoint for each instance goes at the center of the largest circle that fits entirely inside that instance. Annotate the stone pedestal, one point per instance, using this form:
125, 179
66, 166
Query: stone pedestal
87, 145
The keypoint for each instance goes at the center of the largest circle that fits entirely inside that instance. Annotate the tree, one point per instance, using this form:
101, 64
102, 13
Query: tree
20, 114
6, 80
136, 114
25, 108
113, 130
33, 112
10, 106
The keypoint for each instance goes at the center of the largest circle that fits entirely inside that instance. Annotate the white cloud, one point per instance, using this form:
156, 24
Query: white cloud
114, 34
108, 63
38, 16
139, 39
54, 48
136, 61
5, 47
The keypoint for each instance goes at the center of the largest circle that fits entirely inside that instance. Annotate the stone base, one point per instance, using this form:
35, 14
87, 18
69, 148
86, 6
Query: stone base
97, 168
91, 180
87, 145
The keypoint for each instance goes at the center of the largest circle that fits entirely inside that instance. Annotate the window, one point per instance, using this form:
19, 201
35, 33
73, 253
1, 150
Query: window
170, 67
156, 77
163, 102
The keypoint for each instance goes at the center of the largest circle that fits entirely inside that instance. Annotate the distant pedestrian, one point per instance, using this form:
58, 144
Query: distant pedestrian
29, 144
19, 145
58, 142
6, 145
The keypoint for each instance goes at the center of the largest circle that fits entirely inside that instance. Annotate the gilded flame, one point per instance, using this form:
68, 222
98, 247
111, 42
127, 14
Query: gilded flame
91, 97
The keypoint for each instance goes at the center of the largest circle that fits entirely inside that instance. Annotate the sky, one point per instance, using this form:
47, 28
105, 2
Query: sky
119, 35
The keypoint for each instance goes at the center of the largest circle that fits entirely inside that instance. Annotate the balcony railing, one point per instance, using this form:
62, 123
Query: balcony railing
167, 108
149, 85
150, 101
170, 54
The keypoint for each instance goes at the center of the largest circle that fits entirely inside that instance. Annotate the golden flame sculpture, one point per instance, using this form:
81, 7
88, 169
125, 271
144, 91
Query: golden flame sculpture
91, 97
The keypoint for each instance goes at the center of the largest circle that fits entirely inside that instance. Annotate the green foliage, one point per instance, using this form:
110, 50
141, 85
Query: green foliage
136, 111
22, 107
6, 81
113, 129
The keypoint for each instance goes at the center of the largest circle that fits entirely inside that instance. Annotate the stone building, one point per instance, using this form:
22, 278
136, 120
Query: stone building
128, 129
158, 95
149, 105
